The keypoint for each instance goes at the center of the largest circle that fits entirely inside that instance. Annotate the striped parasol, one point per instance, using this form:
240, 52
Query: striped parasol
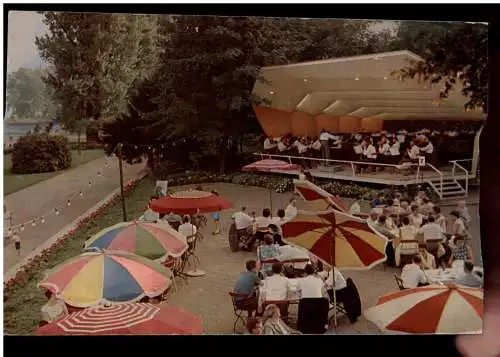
432, 309
106, 276
126, 319
317, 198
150, 240
337, 238
190, 202
271, 165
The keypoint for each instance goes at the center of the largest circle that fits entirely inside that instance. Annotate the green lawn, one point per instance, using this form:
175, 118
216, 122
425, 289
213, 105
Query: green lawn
22, 308
13, 183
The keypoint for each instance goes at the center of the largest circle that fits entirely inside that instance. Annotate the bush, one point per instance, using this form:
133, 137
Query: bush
36, 153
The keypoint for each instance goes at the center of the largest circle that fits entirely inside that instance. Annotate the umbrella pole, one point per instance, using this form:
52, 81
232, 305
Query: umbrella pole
332, 256
271, 200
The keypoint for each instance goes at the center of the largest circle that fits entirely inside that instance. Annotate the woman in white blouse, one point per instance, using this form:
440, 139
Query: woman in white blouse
416, 219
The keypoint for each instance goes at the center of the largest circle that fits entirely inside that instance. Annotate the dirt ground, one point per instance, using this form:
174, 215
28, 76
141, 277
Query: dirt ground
208, 296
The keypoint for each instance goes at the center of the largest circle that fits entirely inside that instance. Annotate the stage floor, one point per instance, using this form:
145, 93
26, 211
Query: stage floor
389, 176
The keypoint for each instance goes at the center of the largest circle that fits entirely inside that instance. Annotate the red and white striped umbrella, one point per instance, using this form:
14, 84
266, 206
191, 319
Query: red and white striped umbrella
271, 165
317, 198
432, 309
127, 318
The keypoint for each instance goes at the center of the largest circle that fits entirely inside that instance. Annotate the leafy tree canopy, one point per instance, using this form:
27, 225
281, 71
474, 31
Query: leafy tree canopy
27, 95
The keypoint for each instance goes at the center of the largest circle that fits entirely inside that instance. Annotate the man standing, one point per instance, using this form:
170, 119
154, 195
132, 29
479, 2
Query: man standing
324, 138
291, 210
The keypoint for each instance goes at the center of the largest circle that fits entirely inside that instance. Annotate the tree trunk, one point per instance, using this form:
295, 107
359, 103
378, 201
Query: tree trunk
223, 154
79, 143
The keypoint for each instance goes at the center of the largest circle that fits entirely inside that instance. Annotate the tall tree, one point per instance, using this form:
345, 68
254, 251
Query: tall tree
27, 94
457, 58
96, 61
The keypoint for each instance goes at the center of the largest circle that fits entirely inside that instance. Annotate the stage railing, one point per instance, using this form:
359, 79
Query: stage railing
352, 164
460, 167
440, 190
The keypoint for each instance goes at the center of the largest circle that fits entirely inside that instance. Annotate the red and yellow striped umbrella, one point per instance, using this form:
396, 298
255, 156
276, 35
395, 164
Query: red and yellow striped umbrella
317, 198
337, 238
429, 310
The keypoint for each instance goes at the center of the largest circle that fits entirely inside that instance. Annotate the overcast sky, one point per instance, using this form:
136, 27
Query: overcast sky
24, 26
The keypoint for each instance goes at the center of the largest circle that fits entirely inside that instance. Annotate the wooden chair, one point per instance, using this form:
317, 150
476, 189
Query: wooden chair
433, 245
238, 312
399, 281
406, 258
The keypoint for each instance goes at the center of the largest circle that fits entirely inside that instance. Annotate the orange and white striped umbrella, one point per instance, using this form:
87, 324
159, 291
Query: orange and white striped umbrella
337, 238
432, 309
317, 198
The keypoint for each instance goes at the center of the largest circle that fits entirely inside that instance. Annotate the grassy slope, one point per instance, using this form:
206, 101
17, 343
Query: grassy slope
13, 183
22, 309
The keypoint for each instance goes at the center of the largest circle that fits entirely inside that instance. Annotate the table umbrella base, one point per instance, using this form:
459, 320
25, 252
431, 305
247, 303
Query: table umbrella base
195, 273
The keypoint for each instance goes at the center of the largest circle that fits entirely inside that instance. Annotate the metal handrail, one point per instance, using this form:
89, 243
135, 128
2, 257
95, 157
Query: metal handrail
440, 193
289, 157
455, 164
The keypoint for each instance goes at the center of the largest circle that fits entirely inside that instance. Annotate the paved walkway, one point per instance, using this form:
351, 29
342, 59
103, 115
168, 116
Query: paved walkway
37, 200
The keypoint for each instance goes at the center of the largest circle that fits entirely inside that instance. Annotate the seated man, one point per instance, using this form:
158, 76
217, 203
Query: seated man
187, 229
261, 225
277, 288
311, 286
412, 275
150, 215
432, 230
245, 287
269, 144
470, 279
243, 222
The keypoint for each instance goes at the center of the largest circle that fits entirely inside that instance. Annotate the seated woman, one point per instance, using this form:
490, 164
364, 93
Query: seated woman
268, 251
53, 309
460, 251
273, 325
428, 260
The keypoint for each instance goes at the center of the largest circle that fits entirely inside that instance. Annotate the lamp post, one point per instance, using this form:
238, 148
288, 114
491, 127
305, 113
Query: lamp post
120, 165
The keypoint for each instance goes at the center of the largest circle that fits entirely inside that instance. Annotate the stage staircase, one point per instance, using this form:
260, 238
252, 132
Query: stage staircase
450, 190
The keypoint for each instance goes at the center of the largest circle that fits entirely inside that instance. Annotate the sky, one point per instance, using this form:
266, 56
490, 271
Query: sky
24, 26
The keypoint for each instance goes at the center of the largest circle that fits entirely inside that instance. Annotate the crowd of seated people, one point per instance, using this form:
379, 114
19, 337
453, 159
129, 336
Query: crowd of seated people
314, 290
380, 147
414, 224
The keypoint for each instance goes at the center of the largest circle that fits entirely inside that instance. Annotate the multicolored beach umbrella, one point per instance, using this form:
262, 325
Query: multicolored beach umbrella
150, 240
337, 238
106, 276
126, 319
268, 165
430, 309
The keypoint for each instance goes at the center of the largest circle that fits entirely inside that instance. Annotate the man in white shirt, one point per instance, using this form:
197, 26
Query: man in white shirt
291, 210
282, 147
439, 218
355, 208
370, 152
432, 230
311, 287
187, 229
427, 149
316, 145
269, 144
265, 220
150, 215
301, 148
277, 288
242, 219
324, 137
412, 275
414, 151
